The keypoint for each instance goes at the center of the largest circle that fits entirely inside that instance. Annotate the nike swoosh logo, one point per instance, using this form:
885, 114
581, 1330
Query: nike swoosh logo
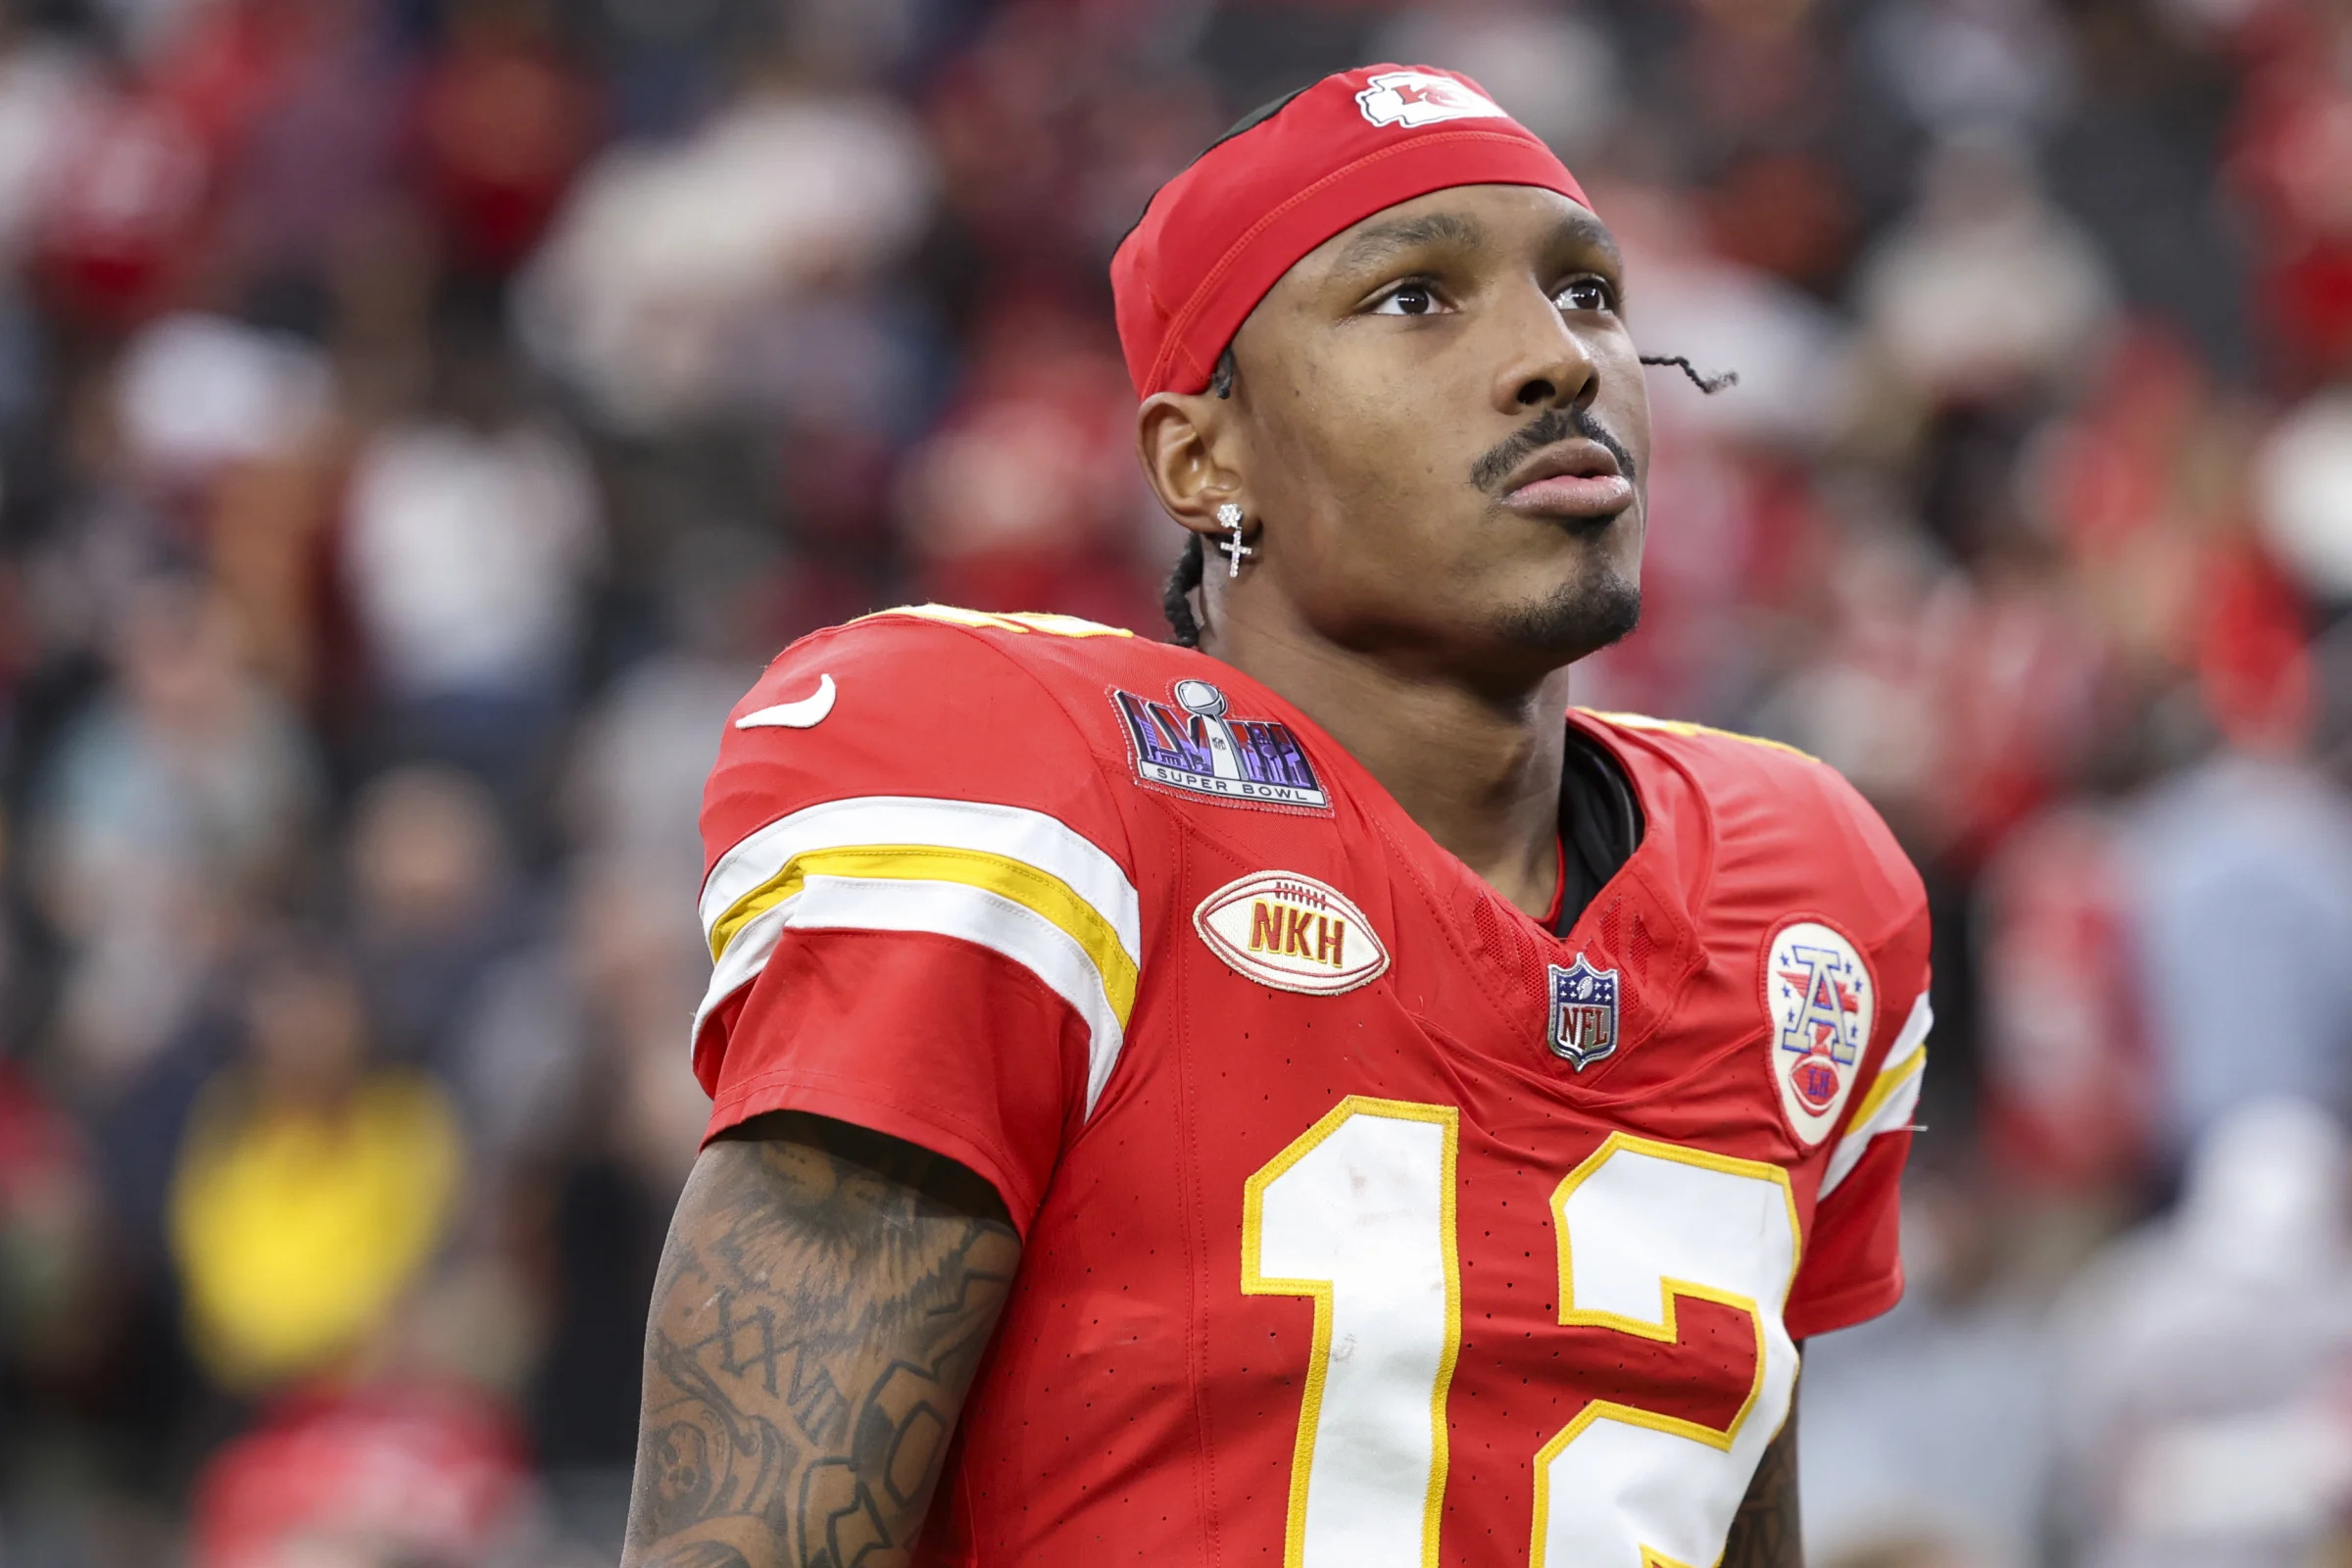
807, 713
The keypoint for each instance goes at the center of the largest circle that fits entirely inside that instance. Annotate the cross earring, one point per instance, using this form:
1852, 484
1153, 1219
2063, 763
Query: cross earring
1229, 518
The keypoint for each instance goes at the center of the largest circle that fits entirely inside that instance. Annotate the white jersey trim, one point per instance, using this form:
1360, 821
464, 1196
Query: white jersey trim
1893, 1099
1015, 832
1055, 903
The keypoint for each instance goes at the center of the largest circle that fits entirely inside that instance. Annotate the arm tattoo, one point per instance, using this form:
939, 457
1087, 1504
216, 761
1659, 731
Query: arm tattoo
1766, 1533
823, 1303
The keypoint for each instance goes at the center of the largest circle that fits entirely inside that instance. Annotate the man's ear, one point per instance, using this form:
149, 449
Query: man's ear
1183, 440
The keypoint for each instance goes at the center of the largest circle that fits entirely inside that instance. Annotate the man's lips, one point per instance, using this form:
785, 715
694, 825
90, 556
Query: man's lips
1574, 479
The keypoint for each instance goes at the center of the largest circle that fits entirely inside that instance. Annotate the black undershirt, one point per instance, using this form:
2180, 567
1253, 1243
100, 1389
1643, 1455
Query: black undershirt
1601, 825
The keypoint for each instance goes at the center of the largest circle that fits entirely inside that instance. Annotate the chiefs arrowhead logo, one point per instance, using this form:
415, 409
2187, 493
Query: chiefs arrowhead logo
1416, 98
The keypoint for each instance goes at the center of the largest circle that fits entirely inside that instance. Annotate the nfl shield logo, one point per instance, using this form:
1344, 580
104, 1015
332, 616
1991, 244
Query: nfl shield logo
1584, 1013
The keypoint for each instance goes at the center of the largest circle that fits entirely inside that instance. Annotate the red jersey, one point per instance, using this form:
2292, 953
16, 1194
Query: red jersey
1365, 1221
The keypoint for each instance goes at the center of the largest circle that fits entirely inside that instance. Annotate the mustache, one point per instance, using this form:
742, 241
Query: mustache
1549, 428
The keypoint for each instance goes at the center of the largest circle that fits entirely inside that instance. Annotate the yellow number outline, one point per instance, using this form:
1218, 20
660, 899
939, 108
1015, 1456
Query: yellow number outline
1666, 1332
1254, 1282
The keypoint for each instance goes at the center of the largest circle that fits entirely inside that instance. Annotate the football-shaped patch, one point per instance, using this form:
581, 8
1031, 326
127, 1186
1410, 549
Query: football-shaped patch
1821, 999
1293, 933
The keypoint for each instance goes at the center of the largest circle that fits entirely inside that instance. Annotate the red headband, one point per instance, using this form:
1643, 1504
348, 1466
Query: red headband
1222, 232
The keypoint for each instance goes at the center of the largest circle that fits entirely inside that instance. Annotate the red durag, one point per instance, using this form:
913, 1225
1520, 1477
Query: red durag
1218, 235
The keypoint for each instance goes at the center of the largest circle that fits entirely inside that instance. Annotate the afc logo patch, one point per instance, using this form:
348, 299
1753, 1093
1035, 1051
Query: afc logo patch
1416, 98
1821, 1000
1583, 1013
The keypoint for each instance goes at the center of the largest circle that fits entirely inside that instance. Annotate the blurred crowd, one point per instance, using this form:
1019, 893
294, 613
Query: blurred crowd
420, 420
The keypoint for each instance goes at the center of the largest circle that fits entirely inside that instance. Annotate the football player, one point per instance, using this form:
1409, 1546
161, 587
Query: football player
1310, 1097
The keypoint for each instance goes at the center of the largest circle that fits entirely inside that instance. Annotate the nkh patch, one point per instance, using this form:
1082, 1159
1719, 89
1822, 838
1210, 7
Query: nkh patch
1293, 933
1822, 1000
1583, 1013
1194, 743
1416, 98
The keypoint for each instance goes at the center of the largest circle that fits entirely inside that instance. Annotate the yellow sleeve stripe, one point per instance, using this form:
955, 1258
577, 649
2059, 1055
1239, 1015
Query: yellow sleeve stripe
1889, 1082
1019, 882
1894, 1114
1038, 891
1893, 1099
1904, 1059
1035, 839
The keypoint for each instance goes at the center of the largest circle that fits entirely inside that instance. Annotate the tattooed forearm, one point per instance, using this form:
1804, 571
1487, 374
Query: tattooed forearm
1765, 1533
825, 1300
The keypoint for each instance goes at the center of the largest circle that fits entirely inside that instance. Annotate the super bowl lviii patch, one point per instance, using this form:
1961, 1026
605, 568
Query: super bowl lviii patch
1821, 999
1193, 742
1293, 933
1583, 1013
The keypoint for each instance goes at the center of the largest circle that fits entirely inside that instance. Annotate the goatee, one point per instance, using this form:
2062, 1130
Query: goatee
1582, 618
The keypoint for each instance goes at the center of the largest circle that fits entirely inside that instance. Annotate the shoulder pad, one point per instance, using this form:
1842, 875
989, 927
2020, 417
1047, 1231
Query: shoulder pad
1790, 806
1023, 623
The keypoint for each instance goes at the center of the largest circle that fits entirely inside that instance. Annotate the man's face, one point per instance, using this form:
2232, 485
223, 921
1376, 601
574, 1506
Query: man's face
1442, 421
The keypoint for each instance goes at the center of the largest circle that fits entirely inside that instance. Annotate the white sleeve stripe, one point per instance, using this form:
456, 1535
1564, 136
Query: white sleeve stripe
1015, 832
1893, 1114
1913, 1038
945, 909
1903, 1058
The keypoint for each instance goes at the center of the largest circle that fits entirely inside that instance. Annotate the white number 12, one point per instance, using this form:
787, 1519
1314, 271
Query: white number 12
1358, 1214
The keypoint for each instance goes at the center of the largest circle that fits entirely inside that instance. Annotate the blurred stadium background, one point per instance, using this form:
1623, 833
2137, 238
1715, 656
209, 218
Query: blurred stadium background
420, 419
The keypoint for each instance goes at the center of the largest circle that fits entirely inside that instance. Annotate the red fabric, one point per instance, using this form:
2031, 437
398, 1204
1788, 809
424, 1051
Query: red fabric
908, 1035
1559, 886
903, 1033
1853, 1268
1217, 236
1136, 1404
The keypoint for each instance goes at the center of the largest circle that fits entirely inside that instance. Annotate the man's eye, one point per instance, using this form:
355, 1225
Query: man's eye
1587, 294
1407, 299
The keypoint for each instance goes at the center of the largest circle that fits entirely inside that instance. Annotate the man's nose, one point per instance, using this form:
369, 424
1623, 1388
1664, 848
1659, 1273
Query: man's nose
1546, 365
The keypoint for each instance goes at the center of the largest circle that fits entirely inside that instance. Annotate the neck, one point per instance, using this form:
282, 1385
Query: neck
1479, 770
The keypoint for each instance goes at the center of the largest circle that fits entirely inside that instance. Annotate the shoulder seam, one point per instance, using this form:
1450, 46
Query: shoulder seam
1913, 910
1689, 727
1898, 926
1126, 833
1020, 622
